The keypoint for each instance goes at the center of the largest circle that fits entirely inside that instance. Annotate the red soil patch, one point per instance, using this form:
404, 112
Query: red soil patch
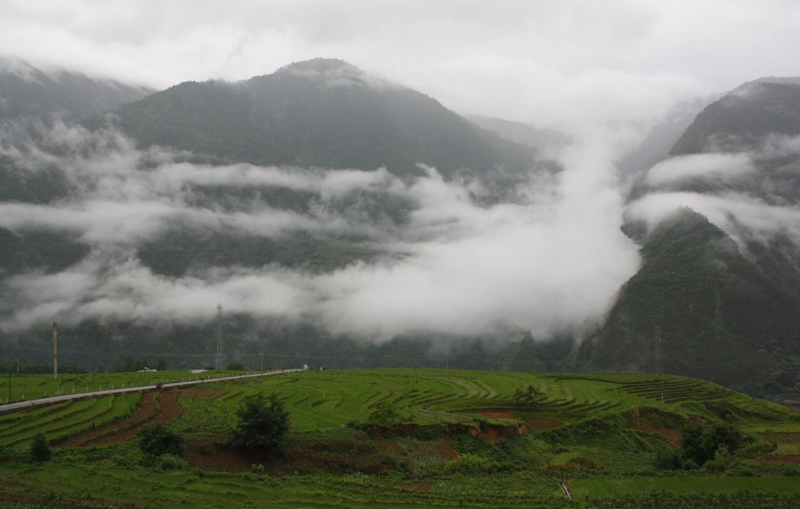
492, 434
445, 450
212, 456
127, 428
697, 418
672, 436
542, 424
500, 415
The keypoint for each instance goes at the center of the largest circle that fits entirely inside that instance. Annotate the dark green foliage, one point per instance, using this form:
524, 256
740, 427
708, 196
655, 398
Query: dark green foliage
236, 366
701, 443
384, 414
43, 369
178, 251
665, 500
263, 424
130, 364
527, 397
40, 449
157, 439
55, 251
472, 464
668, 457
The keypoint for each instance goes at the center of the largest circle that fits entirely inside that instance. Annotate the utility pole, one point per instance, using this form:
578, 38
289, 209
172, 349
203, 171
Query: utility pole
55, 351
220, 361
261, 362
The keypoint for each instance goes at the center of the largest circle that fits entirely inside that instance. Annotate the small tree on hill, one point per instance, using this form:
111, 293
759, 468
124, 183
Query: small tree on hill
527, 397
157, 439
40, 449
263, 424
384, 414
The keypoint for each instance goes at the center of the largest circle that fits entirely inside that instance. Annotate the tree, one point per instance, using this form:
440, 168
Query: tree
527, 397
40, 449
263, 424
700, 443
157, 439
384, 413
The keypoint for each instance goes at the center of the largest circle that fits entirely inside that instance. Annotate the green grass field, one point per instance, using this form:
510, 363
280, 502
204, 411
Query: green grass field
460, 441
31, 387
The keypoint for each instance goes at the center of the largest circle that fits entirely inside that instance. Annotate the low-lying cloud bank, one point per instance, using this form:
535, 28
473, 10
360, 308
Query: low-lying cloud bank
449, 265
751, 195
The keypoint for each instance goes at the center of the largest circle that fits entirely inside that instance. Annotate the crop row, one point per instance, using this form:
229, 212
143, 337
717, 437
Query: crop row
66, 419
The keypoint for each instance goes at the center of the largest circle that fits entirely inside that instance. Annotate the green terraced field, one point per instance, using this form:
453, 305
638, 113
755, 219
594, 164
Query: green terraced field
460, 441
31, 387
328, 399
63, 420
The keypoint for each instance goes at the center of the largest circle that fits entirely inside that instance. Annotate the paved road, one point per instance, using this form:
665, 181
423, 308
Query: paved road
67, 397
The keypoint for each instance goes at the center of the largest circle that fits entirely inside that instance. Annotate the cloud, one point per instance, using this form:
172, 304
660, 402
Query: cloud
726, 167
728, 212
571, 64
549, 264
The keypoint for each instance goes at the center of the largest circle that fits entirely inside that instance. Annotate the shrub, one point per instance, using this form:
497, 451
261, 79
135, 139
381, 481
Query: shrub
157, 439
384, 414
472, 464
170, 462
701, 443
527, 397
668, 458
263, 424
40, 449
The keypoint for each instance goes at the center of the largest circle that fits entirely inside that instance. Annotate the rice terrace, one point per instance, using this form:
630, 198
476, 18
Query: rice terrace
446, 439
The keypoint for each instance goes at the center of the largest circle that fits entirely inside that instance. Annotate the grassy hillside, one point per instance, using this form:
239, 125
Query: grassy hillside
461, 439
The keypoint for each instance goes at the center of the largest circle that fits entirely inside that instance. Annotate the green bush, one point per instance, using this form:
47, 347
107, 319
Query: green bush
40, 449
668, 458
262, 426
472, 464
157, 439
170, 462
384, 414
527, 397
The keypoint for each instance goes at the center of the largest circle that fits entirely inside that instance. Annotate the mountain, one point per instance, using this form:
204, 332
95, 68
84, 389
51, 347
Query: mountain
27, 92
741, 119
543, 140
725, 296
319, 113
719, 316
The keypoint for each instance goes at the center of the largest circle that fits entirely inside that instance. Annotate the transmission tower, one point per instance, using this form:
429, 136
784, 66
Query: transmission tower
659, 359
659, 364
220, 361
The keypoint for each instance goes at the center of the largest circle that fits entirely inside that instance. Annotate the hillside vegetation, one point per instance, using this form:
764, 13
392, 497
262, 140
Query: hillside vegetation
456, 438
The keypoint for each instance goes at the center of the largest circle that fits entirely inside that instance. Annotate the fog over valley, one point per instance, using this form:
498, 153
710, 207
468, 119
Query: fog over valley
527, 187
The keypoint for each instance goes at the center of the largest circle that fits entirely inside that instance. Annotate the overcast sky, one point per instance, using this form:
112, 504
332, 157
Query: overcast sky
562, 63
